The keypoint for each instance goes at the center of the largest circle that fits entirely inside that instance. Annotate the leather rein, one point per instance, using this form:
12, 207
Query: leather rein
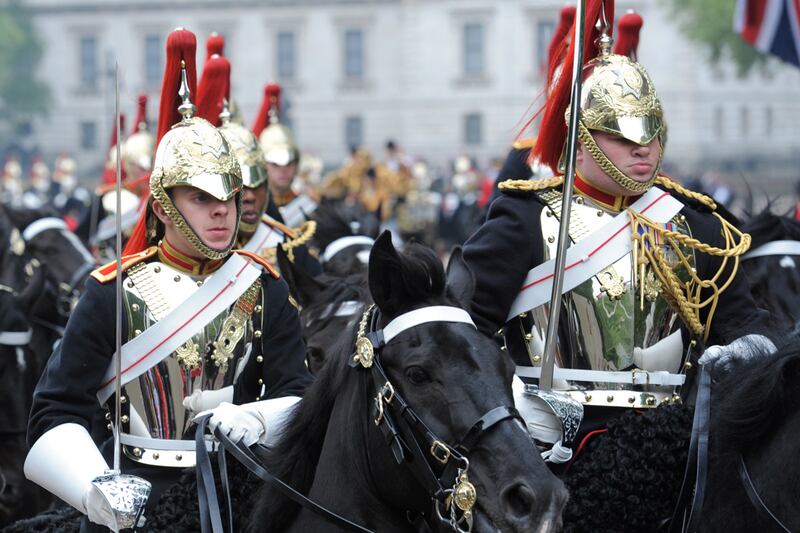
411, 441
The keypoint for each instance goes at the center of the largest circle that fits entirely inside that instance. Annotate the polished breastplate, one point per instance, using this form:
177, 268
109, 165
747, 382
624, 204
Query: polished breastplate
160, 430
616, 320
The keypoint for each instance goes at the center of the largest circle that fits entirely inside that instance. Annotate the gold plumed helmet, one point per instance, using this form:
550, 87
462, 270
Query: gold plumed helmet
618, 97
137, 153
248, 153
275, 139
194, 153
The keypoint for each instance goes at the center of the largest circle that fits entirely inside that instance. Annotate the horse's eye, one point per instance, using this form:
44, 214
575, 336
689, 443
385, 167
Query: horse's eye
417, 375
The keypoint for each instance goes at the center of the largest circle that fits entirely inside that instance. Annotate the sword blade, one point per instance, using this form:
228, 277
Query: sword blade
118, 312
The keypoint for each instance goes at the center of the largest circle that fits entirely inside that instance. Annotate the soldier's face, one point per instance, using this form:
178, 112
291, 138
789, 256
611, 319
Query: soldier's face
280, 177
212, 220
254, 200
636, 161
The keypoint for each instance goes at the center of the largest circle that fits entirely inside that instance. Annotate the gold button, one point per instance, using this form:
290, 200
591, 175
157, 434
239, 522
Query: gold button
109, 427
579, 200
687, 365
548, 213
157, 269
178, 457
130, 284
108, 416
124, 419
650, 400
551, 239
137, 332
631, 399
536, 359
137, 452
260, 381
528, 336
123, 399
177, 278
610, 398
156, 456
257, 334
135, 307
199, 283
588, 397
260, 359
258, 308
522, 315
502, 348
599, 213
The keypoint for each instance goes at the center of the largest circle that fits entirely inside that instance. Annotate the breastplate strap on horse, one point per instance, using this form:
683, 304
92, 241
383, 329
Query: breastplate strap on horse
155, 343
594, 253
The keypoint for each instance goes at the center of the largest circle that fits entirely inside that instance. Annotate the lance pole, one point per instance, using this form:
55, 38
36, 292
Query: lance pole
548, 359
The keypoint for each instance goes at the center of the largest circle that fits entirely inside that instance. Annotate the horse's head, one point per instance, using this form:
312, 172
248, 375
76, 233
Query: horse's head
441, 396
344, 236
328, 305
51, 243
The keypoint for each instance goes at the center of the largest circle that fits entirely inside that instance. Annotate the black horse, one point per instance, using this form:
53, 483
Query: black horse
18, 497
775, 276
450, 375
329, 305
337, 221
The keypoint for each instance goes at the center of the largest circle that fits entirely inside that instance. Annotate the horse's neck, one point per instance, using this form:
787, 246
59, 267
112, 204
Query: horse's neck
343, 482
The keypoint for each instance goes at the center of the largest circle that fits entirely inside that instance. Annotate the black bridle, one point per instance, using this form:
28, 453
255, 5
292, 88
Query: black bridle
439, 467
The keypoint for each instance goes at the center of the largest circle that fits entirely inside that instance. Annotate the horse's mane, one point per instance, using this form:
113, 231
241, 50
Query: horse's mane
295, 456
337, 291
336, 220
753, 398
768, 226
22, 217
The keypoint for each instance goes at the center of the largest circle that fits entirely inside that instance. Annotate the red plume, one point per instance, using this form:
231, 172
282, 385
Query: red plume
628, 39
109, 176
181, 45
553, 130
558, 44
214, 45
272, 100
213, 88
141, 112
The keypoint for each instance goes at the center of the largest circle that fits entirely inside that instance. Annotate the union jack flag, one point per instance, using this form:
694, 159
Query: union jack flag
772, 26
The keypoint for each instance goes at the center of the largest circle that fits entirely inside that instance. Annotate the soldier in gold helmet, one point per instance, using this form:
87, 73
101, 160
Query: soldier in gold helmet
283, 160
205, 329
652, 268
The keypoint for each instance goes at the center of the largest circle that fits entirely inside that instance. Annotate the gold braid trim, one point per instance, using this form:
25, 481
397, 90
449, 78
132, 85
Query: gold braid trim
677, 187
531, 185
585, 136
685, 296
303, 234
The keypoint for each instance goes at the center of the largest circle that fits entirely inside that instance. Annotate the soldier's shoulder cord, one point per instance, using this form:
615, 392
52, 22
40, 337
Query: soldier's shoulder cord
108, 272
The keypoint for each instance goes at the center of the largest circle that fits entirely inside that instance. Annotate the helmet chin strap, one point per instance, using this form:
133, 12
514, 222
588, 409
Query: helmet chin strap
619, 177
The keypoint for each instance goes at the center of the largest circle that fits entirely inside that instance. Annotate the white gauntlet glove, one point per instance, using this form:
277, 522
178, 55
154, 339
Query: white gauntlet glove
721, 359
204, 400
252, 422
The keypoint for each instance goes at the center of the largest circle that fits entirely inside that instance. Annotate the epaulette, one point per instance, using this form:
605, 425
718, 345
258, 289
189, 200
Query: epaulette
108, 272
521, 144
530, 186
283, 228
261, 261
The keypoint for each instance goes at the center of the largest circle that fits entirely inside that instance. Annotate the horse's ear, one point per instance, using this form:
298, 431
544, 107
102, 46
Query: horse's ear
384, 274
460, 280
301, 285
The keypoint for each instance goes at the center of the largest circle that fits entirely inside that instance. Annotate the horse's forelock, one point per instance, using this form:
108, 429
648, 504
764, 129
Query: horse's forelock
422, 273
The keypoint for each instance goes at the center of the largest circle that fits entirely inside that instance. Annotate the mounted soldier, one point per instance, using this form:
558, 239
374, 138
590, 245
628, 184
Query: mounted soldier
258, 232
196, 341
283, 159
651, 274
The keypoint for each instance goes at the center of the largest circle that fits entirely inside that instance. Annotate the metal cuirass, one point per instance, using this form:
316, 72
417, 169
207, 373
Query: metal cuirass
160, 430
613, 321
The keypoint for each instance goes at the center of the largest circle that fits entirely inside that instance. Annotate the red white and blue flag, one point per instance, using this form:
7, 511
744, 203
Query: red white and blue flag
772, 26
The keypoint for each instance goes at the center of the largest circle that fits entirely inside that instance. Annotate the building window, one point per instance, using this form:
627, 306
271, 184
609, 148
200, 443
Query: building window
153, 59
88, 68
88, 135
286, 55
473, 49
544, 34
354, 132
354, 54
719, 126
768, 121
745, 114
473, 129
